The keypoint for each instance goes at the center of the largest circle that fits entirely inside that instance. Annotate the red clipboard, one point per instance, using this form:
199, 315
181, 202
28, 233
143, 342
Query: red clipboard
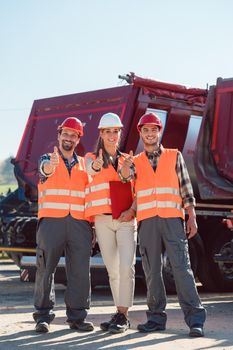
121, 197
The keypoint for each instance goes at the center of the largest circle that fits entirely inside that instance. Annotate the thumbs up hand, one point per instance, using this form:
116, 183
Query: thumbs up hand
98, 162
50, 165
128, 162
130, 157
100, 157
54, 158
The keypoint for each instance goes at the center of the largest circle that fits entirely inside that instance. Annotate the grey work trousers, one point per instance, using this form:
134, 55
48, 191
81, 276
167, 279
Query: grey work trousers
169, 231
56, 236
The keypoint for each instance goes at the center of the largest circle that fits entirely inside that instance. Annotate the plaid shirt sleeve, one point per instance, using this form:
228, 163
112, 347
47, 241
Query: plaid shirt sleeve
186, 190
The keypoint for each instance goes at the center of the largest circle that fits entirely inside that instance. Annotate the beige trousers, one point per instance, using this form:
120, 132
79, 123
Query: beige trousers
117, 242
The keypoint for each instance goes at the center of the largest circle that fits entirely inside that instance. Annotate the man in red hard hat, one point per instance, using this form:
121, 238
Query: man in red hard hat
150, 119
163, 190
62, 228
72, 123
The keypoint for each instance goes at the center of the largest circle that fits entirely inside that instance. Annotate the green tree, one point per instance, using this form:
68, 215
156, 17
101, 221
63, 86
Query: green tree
7, 172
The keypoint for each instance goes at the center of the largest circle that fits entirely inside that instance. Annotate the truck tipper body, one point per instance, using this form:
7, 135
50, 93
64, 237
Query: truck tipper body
198, 122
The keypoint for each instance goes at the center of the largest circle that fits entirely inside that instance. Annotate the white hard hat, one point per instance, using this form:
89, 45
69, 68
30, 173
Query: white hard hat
110, 120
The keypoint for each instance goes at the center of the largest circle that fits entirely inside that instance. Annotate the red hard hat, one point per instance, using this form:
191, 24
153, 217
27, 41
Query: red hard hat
149, 118
73, 124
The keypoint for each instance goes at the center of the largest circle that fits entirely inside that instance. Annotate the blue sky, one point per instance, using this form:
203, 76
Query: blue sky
56, 47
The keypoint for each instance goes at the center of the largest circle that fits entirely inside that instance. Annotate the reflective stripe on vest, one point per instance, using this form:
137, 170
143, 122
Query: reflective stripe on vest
77, 207
158, 190
96, 188
158, 204
61, 192
97, 202
61, 206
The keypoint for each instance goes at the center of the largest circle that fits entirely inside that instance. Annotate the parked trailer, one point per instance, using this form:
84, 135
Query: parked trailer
199, 122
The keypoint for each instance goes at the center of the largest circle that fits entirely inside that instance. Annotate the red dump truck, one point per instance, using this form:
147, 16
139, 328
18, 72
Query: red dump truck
199, 122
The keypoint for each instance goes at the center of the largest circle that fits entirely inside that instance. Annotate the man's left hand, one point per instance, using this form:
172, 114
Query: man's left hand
191, 227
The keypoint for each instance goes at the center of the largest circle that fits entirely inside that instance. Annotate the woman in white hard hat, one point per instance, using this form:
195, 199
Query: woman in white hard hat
110, 203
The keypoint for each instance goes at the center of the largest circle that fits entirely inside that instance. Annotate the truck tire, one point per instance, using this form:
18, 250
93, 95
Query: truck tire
222, 272
204, 274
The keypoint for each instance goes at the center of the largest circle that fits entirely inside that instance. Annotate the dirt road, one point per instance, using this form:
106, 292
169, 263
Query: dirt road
17, 327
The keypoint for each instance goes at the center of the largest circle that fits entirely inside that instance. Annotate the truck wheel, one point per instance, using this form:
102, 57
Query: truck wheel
222, 271
204, 274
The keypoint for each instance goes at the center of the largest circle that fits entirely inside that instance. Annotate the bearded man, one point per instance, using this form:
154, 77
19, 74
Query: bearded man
62, 228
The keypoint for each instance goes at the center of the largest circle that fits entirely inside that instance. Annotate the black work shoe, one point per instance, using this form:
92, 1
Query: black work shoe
150, 326
81, 325
196, 331
105, 325
119, 325
42, 327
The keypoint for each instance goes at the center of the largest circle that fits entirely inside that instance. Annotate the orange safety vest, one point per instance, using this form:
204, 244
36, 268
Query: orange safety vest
97, 199
63, 194
158, 192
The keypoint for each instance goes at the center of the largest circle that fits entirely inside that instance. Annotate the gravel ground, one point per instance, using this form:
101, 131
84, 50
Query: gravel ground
17, 327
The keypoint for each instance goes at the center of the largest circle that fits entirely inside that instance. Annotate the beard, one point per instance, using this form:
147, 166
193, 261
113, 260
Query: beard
68, 146
150, 144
